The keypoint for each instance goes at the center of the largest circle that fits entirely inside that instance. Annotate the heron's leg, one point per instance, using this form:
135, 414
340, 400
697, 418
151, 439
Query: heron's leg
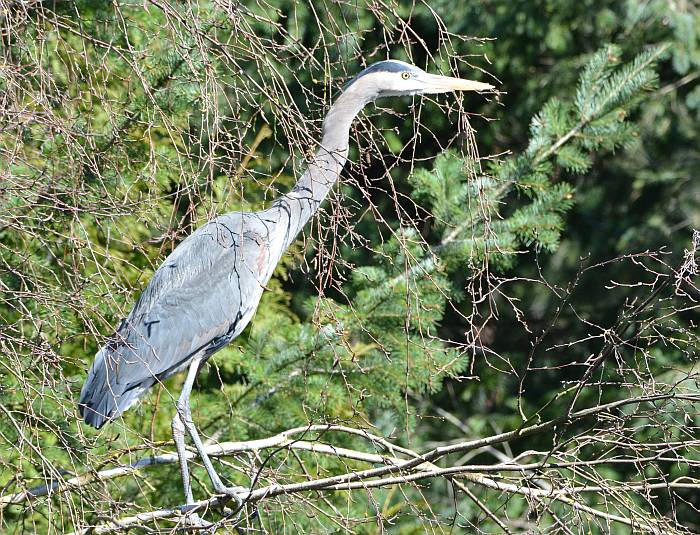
183, 409
179, 438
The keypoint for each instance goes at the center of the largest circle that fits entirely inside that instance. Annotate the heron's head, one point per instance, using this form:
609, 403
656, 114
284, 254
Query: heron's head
397, 78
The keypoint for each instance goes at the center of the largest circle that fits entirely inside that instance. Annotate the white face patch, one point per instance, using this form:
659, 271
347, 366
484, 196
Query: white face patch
391, 66
385, 83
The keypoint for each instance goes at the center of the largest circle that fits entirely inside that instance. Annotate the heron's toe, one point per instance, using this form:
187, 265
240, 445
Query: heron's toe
236, 493
194, 520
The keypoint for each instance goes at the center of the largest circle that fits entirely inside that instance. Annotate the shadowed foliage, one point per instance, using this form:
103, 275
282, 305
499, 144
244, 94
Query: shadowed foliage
490, 326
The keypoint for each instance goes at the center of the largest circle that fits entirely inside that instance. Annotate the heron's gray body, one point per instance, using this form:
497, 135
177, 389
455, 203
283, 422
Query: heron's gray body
208, 288
200, 299
202, 296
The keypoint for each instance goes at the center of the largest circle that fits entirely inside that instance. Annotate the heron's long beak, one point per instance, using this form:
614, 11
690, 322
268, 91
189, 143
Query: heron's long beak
444, 84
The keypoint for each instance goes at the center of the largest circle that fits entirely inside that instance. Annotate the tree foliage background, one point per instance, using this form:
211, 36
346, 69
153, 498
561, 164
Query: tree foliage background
492, 325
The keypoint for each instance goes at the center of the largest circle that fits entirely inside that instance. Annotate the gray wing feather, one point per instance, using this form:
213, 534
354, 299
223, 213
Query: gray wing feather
201, 298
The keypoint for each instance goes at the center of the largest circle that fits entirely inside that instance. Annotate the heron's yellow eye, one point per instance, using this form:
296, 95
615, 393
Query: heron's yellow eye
405, 75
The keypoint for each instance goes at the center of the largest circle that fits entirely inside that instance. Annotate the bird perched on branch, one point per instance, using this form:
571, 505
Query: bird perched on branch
207, 290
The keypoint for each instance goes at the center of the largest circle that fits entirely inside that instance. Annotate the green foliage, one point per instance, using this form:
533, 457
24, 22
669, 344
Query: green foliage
564, 136
135, 126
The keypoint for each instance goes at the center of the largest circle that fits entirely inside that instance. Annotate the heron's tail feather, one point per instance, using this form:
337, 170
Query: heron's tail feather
104, 397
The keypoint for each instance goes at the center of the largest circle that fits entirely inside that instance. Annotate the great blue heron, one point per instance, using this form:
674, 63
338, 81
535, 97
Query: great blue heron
209, 287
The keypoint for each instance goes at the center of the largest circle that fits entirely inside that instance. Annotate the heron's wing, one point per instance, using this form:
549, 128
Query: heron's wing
201, 297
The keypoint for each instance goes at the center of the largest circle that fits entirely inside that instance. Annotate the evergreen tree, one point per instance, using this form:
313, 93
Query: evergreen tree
439, 302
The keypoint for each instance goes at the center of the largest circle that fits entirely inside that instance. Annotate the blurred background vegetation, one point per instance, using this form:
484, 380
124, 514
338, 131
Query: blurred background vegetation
477, 257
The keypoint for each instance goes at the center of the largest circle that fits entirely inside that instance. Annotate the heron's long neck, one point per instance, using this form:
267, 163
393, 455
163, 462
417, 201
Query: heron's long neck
323, 171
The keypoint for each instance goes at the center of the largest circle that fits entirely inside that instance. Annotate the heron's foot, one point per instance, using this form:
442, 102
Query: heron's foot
194, 520
236, 493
